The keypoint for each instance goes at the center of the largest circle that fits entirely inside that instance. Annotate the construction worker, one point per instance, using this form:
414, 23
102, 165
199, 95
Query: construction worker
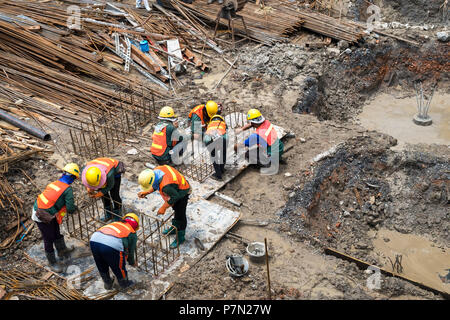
49, 210
112, 246
216, 140
166, 139
175, 190
200, 116
102, 177
265, 138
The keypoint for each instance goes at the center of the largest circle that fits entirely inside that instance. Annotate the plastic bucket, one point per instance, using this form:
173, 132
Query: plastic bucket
144, 45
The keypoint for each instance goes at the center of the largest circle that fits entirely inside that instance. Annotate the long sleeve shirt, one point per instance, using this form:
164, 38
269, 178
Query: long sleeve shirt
174, 193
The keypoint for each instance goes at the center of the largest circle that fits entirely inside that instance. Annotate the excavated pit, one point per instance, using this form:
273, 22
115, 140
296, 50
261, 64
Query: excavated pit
364, 189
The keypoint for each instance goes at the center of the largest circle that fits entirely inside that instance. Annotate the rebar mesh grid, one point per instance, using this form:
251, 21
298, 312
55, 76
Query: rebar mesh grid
153, 254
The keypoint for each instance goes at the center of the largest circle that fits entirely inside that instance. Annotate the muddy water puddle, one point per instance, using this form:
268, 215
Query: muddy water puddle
422, 260
394, 116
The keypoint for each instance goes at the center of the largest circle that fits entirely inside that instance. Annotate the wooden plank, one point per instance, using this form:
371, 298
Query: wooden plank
364, 265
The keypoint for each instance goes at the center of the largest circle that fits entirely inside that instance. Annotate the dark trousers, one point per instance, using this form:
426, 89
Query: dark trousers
262, 158
180, 212
113, 196
218, 151
50, 232
106, 257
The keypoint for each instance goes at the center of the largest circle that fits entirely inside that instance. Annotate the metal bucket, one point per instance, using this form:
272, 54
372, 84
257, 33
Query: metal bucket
237, 265
256, 250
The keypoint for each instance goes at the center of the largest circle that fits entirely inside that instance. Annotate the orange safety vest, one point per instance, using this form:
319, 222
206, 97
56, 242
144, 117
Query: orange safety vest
171, 175
117, 229
159, 142
109, 163
267, 132
198, 110
51, 194
217, 125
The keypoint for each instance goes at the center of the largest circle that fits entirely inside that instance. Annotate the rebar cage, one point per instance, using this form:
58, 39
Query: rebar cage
153, 254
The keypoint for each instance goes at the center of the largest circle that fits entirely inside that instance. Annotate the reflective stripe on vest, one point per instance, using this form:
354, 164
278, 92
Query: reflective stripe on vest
267, 132
217, 125
171, 175
51, 194
198, 111
117, 229
159, 143
109, 163
61, 214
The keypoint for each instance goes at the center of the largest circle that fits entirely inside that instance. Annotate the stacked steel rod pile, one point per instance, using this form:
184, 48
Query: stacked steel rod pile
277, 19
28, 285
62, 74
264, 24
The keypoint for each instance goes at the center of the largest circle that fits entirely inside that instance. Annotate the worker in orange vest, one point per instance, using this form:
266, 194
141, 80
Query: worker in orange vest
200, 116
265, 139
166, 139
49, 210
112, 246
216, 141
175, 190
102, 177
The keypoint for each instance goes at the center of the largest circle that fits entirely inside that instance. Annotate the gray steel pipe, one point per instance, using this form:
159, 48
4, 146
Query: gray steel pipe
24, 126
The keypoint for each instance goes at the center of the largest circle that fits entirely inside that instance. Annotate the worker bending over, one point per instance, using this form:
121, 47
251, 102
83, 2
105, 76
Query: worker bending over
48, 211
175, 190
112, 246
166, 139
102, 177
267, 148
200, 116
216, 140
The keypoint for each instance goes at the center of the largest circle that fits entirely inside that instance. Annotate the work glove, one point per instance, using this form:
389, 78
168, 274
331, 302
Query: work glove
96, 195
163, 208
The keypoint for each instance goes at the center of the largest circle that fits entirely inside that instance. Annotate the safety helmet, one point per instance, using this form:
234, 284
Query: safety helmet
217, 117
73, 169
93, 176
211, 108
167, 113
134, 217
255, 116
146, 179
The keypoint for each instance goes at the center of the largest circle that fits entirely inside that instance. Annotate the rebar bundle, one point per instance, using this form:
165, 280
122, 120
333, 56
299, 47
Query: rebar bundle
28, 285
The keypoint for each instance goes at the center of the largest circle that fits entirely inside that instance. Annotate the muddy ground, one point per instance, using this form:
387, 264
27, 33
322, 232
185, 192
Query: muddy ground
316, 94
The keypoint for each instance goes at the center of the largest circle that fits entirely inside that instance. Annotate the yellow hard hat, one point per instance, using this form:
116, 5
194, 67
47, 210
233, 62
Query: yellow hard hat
218, 116
73, 169
93, 176
134, 217
146, 179
167, 112
211, 108
253, 114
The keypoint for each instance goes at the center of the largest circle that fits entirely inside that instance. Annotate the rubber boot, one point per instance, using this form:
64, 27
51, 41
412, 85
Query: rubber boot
125, 283
63, 251
171, 230
107, 216
53, 264
107, 281
217, 172
181, 239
